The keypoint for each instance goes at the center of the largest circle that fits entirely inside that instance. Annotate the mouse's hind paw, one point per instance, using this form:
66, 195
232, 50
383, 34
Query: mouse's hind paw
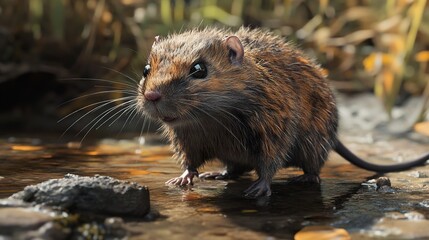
259, 188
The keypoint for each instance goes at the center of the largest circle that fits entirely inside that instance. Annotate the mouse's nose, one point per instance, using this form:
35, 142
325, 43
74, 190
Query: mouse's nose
152, 96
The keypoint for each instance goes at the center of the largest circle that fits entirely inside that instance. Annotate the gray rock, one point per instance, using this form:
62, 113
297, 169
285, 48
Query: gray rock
386, 189
384, 185
15, 219
383, 181
419, 174
98, 194
49, 231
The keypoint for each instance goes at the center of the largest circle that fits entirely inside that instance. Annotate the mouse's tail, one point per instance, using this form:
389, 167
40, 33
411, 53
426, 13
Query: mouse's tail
344, 152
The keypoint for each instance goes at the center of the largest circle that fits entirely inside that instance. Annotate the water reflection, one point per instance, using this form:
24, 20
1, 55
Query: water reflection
210, 208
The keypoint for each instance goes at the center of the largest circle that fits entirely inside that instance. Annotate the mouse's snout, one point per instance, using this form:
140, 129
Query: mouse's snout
152, 96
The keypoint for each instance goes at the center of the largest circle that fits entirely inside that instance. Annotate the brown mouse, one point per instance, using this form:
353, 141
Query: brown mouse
248, 99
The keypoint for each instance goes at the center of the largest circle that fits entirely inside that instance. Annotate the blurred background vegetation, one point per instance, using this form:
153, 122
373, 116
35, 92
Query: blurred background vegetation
364, 45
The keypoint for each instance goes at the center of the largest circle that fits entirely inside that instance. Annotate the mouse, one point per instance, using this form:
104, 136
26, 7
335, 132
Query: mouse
247, 98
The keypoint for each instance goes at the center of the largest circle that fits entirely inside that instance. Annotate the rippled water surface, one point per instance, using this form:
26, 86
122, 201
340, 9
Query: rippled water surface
216, 209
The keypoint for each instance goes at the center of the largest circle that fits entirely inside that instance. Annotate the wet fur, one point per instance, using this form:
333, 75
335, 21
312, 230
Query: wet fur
274, 110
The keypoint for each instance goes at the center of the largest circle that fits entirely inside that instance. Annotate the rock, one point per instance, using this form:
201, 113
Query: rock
49, 231
115, 227
414, 216
419, 174
15, 219
8, 202
424, 203
98, 194
322, 233
385, 189
383, 185
383, 181
411, 225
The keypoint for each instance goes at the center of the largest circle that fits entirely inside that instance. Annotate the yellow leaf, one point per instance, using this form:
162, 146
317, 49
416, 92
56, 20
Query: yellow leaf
369, 63
26, 148
376, 61
422, 56
422, 128
387, 59
322, 233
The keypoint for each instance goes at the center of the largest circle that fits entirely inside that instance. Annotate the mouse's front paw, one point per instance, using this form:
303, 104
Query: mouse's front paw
184, 179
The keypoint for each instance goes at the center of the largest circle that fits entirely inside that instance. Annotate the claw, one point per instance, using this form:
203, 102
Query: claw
259, 188
184, 179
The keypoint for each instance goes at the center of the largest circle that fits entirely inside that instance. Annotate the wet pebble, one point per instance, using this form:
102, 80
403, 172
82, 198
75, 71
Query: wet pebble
396, 225
15, 218
90, 231
383, 181
414, 215
381, 184
424, 203
49, 231
419, 174
385, 189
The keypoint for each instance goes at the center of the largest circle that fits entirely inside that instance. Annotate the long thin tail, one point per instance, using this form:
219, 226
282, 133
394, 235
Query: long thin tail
352, 158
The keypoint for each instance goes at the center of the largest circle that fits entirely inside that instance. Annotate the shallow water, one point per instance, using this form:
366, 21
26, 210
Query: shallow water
216, 209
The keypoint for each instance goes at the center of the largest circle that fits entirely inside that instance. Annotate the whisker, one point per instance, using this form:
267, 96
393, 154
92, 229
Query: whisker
131, 106
139, 76
100, 117
143, 124
93, 104
97, 93
106, 102
121, 88
132, 112
100, 80
123, 74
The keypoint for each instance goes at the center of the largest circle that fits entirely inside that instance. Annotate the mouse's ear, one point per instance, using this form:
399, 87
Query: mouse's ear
157, 39
236, 50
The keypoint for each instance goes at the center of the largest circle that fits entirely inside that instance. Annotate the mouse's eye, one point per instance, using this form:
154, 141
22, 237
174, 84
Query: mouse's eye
199, 70
146, 70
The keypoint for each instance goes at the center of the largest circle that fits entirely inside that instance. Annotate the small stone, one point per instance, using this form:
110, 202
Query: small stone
15, 219
395, 215
98, 194
383, 181
419, 174
424, 203
115, 228
385, 189
49, 231
414, 216
114, 222
8, 202
389, 228
322, 233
